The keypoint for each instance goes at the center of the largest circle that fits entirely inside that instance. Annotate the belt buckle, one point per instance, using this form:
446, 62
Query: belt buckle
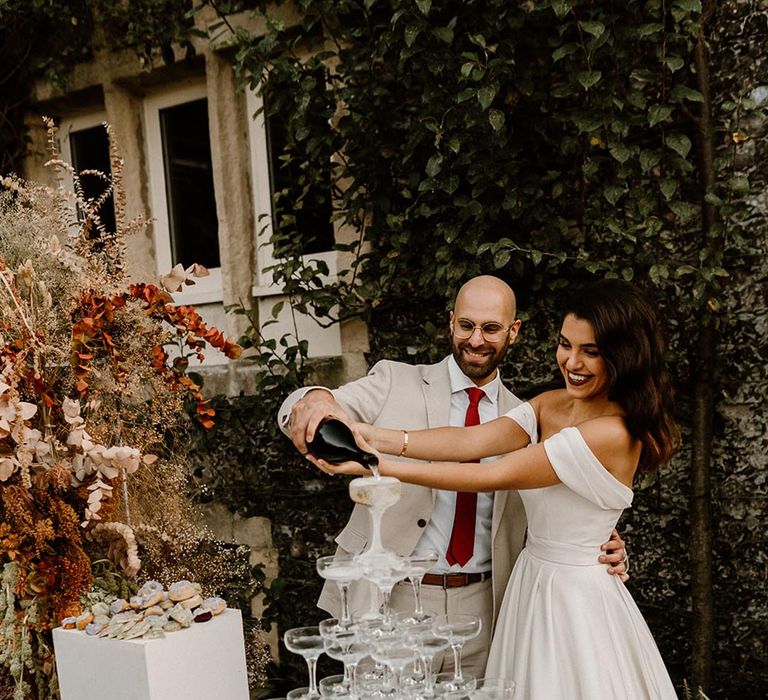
445, 581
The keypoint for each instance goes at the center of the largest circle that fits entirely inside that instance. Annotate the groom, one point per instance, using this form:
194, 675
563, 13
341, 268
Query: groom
478, 537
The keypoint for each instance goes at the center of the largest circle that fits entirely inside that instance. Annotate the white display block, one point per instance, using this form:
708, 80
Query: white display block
203, 662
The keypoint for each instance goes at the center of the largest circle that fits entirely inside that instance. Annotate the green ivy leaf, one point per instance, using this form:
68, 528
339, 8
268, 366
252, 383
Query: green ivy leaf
277, 308
496, 118
466, 94
685, 93
450, 186
684, 270
649, 159
613, 193
434, 164
658, 273
685, 211
411, 32
444, 34
679, 143
596, 29
561, 7
668, 187
738, 184
658, 113
563, 51
688, 5
424, 6
674, 63
649, 29
588, 78
713, 199
587, 122
486, 94
501, 258
620, 152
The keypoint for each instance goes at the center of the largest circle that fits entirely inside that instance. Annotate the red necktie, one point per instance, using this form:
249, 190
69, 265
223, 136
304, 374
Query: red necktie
462, 543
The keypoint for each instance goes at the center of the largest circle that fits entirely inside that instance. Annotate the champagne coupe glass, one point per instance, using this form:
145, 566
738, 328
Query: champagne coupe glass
395, 655
493, 689
331, 629
372, 678
445, 686
419, 564
427, 646
334, 687
410, 629
485, 689
343, 570
344, 644
377, 493
306, 642
457, 629
384, 570
350, 653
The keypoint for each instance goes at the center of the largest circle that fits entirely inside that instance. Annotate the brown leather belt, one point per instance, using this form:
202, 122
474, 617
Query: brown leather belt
454, 580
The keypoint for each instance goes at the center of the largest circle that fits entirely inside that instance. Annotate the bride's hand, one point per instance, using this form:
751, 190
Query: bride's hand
365, 437
350, 468
365, 432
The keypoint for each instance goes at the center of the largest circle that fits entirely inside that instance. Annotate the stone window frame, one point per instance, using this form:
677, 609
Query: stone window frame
206, 290
323, 342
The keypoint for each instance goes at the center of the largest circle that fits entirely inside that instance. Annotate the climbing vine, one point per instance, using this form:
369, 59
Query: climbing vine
549, 142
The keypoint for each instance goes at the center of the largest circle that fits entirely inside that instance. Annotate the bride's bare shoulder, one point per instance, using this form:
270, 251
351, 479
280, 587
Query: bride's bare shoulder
613, 445
549, 401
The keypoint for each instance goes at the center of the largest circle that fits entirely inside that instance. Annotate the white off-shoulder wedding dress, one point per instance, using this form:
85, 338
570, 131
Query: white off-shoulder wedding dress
566, 630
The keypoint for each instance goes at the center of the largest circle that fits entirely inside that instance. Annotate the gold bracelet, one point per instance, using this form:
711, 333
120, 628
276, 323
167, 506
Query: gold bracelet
405, 443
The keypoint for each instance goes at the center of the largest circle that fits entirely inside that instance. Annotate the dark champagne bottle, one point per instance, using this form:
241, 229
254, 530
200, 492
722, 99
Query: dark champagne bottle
335, 443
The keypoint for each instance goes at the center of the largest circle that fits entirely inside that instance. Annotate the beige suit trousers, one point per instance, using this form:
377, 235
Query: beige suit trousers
475, 599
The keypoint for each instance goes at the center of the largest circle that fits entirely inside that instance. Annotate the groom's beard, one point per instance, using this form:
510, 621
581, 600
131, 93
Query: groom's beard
476, 368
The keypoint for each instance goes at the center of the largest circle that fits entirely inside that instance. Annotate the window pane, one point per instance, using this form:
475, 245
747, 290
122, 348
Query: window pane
313, 221
189, 184
90, 151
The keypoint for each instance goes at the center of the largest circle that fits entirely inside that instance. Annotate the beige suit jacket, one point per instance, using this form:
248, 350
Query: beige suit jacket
398, 395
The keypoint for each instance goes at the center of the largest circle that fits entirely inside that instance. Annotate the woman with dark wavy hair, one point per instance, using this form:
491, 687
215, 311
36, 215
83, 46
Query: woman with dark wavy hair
584, 443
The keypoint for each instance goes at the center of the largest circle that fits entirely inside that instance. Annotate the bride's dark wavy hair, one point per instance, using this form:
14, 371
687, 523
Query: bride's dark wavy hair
630, 342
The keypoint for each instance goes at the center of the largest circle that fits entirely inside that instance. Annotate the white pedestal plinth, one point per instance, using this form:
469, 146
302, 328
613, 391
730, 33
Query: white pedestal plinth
204, 662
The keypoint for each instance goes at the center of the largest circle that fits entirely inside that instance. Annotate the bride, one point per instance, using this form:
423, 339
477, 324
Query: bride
584, 443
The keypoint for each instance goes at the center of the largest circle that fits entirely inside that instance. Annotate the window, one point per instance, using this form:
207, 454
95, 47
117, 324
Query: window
189, 184
323, 342
181, 187
313, 221
83, 142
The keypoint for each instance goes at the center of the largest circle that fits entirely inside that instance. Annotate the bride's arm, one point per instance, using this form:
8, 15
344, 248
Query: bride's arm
607, 438
463, 444
524, 469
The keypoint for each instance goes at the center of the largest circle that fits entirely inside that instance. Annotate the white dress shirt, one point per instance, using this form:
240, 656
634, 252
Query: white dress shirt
437, 533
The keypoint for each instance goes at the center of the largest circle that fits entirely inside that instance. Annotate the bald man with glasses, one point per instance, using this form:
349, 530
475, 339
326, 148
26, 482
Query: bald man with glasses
477, 536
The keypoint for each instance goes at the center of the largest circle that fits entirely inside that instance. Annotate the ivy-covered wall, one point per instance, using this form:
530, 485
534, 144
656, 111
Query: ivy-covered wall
549, 142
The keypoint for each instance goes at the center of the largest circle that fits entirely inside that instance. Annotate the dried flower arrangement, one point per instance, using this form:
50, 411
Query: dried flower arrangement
93, 418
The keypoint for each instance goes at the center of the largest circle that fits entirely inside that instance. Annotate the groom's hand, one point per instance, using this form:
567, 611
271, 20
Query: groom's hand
615, 555
309, 412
